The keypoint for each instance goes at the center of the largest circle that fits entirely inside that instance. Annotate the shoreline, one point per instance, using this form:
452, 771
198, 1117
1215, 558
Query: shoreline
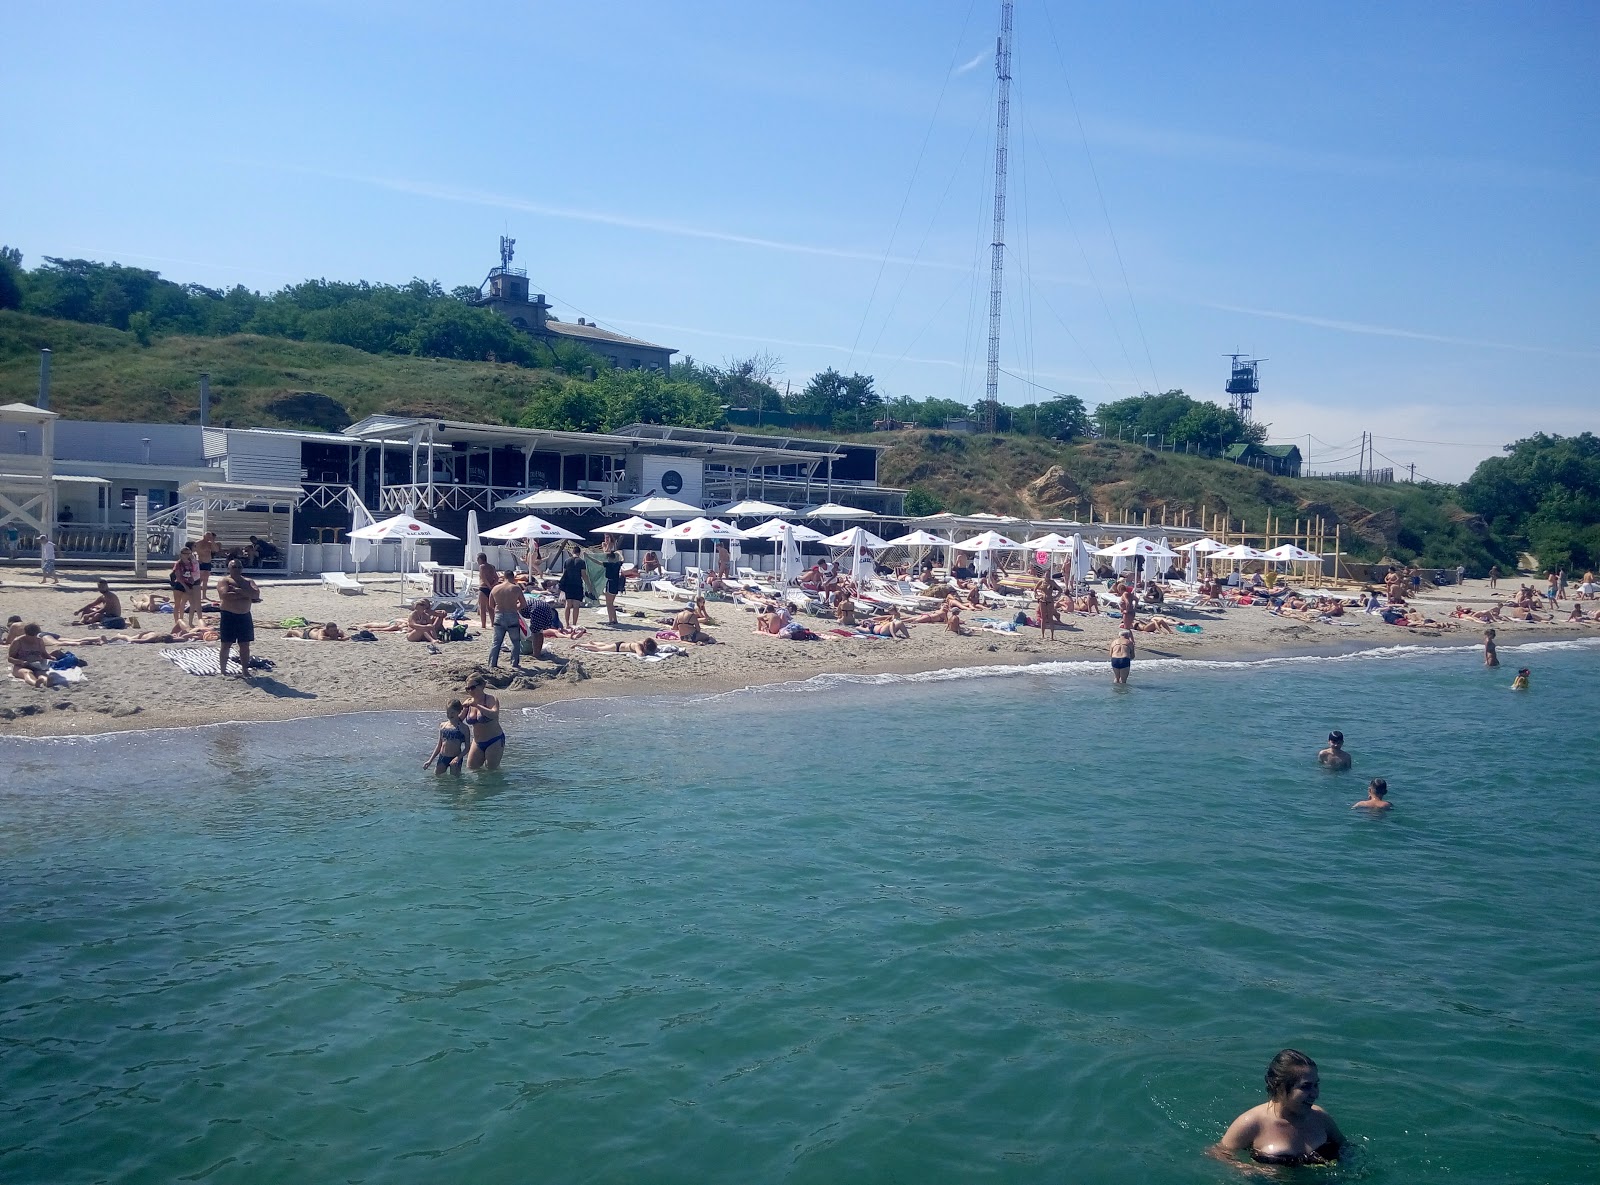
64, 725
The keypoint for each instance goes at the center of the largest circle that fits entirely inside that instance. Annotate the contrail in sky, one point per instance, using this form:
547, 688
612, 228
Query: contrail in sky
1388, 331
972, 65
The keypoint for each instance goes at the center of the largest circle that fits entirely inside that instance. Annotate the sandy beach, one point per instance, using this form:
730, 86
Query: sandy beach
133, 686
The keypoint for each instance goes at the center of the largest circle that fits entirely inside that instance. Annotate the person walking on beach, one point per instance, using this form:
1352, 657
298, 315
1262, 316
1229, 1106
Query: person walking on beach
1461, 573
574, 582
1334, 756
47, 561
205, 553
614, 583
1494, 575
505, 599
236, 593
1122, 648
1490, 658
1377, 798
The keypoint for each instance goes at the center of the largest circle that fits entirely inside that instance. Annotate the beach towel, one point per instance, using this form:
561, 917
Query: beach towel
54, 678
203, 661
1187, 629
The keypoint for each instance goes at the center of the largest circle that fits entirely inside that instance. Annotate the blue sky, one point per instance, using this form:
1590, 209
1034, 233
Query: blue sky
1393, 203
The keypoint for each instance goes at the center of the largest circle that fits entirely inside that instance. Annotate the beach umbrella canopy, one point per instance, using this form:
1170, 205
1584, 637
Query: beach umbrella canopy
469, 558
774, 529
401, 527
921, 538
549, 500
834, 510
1288, 551
529, 526
656, 506
1126, 548
629, 526
989, 541
1082, 560
753, 508
1051, 542
1207, 544
1191, 570
1239, 551
854, 537
697, 529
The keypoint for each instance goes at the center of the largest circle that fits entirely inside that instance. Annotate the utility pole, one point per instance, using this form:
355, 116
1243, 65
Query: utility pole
997, 247
1413, 477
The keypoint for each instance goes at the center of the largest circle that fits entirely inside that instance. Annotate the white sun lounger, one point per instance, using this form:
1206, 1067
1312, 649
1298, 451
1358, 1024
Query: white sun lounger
675, 591
343, 584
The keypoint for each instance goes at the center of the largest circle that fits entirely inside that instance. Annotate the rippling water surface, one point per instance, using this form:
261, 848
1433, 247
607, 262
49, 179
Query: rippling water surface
1021, 928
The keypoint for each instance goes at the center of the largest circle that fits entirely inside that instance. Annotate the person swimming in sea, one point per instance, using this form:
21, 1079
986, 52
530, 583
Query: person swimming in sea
1520, 683
1490, 657
1334, 756
452, 743
1289, 1128
1377, 798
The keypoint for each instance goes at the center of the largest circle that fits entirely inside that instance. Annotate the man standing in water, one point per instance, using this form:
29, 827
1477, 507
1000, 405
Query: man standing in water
1334, 756
1122, 649
236, 593
1377, 798
1490, 658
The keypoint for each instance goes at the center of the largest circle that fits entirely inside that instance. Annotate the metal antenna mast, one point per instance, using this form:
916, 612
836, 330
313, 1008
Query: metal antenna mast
997, 248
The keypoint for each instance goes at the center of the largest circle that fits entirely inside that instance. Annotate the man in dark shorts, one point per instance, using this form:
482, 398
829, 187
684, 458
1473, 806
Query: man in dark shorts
236, 594
1122, 648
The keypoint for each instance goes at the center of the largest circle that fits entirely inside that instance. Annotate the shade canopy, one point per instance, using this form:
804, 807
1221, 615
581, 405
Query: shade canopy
1136, 546
989, 541
1202, 545
753, 508
1239, 551
400, 527
921, 538
529, 526
788, 556
1051, 542
834, 510
775, 527
657, 506
697, 529
550, 500
1288, 551
629, 526
854, 537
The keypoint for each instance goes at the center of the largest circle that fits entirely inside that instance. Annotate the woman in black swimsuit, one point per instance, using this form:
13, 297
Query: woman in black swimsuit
488, 577
481, 714
1289, 1128
612, 563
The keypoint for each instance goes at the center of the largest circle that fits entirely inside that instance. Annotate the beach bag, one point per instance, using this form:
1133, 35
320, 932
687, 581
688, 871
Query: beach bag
66, 662
363, 636
456, 633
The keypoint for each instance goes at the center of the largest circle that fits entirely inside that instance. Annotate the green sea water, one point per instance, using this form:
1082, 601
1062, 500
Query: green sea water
1016, 928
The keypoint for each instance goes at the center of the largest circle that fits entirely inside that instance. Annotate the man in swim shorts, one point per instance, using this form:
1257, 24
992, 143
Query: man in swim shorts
236, 593
1334, 756
1122, 648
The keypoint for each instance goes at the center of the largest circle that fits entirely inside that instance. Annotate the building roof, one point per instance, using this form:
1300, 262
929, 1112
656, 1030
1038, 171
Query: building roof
1234, 451
587, 332
758, 439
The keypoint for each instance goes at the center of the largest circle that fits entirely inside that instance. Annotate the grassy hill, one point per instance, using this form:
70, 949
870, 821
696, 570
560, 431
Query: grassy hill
99, 373
1041, 478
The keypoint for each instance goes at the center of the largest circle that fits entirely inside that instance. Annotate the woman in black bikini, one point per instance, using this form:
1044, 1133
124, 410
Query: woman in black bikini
481, 713
488, 577
1289, 1128
451, 748
613, 566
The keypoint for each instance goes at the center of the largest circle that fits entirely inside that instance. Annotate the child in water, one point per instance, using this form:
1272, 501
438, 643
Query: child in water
1520, 683
1377, 798
452, 744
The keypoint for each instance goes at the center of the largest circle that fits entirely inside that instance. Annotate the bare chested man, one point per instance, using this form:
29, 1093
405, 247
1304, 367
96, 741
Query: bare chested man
505, 599
236, 593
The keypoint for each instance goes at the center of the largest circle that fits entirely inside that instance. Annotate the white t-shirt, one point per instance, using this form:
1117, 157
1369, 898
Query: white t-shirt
47, 552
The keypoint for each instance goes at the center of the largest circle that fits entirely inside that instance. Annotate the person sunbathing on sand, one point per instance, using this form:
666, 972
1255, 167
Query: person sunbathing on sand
953, 623
687, 626
1522, 613
1155, 625
29, 657
327, 632
643, 647
1577, 614
844, 610
424, 622
773, 621
889, 626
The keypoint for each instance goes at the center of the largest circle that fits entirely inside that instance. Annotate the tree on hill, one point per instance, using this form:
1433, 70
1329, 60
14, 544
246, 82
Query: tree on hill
849, 402
1174, 418
1545, 494
10, 278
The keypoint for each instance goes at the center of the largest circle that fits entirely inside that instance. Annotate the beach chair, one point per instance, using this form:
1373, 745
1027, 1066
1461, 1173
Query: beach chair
341, 583
675, 592
444, 584
803, 601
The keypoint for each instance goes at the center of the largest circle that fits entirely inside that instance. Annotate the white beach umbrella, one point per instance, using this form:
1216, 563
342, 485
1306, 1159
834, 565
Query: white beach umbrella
1239, 551
1082, 560
469, 558
530, 526
669, 549
854, 537
656, 506
696, 531
633, 525
788, 557
406, 531
835, 510
1293, 554
753, 508
773, 529
1207, 544
1051, 543
360, 516
921, 538
548, 500
989, 541
1191, 570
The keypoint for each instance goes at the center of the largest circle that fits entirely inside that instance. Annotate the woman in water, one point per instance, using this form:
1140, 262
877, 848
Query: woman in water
481, 713
1289, 1128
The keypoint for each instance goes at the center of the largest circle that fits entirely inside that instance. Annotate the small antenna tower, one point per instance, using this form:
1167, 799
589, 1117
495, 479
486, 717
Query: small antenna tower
997, 247
508, 248
1243, 385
